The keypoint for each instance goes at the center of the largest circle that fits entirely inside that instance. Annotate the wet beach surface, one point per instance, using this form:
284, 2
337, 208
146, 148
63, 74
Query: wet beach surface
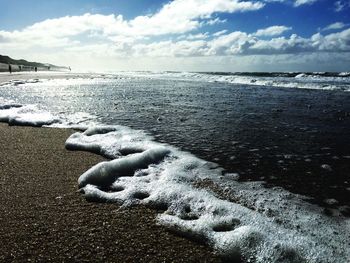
44, 219
295, 138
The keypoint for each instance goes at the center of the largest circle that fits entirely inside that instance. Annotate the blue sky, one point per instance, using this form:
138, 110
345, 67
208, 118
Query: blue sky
191, 35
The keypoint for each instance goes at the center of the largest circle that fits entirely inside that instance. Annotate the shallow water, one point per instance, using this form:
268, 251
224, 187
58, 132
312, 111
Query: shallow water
291, 137
295, 138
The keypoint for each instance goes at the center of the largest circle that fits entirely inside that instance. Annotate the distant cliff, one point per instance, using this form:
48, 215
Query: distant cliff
24, 65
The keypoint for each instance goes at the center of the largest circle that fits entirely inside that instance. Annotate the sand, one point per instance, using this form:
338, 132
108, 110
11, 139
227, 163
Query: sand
5, 77
43, 218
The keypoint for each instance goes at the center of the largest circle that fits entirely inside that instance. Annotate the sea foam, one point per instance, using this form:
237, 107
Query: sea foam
262, 225
316, 80
29, 115
198, 199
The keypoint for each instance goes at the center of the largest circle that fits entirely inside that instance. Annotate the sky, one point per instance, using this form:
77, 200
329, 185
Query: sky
181, 35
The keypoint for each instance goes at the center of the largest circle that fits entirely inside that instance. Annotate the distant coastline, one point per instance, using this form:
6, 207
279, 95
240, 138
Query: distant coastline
24, 65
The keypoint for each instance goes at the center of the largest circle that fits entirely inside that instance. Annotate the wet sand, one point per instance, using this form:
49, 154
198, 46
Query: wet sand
297, 139
5, 76
43, 217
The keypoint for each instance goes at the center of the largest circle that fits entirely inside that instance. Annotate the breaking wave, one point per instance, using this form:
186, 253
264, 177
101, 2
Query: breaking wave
308, 80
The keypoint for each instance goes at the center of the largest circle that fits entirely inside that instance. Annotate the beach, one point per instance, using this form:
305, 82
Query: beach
175, 131
280, 130
196, 170
30, 75
43, 218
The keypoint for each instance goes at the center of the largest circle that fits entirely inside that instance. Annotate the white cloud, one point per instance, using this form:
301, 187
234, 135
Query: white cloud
176, 17
233, 43
334, 26
194, 36
219, 33
198, 36
272, 31
219, 44
241, 43
336, 42
181, 16
182, 48
64, 31
296, 3
281, 45
341, 5
215, 21
303, 2
274, 1
173, 32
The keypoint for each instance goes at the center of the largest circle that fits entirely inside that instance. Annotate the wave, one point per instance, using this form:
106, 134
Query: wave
301, 80
198, 198
250, 74
306, 80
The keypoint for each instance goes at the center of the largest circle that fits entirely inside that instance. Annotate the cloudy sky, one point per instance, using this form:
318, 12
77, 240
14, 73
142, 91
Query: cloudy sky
188, 35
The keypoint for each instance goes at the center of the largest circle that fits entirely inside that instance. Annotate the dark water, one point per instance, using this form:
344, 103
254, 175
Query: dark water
295, 138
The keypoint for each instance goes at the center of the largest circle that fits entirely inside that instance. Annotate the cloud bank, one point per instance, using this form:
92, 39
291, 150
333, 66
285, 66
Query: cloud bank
175, 31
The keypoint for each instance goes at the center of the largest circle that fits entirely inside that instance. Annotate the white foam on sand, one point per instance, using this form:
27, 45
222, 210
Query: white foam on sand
31, 115
16, 82
77, 80
237, 219
263, 225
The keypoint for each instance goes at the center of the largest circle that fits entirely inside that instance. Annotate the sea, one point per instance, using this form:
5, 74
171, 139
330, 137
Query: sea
255, 164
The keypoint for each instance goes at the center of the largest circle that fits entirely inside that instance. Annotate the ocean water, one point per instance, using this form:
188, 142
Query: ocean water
256, 164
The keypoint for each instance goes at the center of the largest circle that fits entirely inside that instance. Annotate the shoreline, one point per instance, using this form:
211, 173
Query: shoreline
136, 219
6, 77
45, 218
